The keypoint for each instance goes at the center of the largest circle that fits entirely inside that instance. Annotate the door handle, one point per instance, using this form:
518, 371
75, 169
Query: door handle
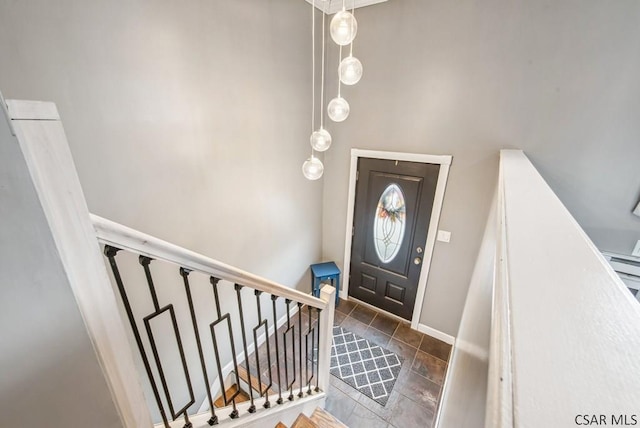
417, 261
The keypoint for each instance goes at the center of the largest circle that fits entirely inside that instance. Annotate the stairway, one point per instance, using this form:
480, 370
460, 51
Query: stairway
243, 396
320, 418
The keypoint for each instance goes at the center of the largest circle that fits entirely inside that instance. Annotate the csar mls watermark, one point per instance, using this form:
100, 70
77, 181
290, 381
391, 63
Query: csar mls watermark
607, 420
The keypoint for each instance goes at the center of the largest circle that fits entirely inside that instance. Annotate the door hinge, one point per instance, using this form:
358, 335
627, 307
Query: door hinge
353, 230
357, 175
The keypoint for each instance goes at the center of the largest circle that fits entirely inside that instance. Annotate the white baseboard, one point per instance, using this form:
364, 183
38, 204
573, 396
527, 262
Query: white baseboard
446, 338
445, 385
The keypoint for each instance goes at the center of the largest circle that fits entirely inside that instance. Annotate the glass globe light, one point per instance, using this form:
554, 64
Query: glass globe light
312, 168
338, 109
320, 140
343, 28
350, 70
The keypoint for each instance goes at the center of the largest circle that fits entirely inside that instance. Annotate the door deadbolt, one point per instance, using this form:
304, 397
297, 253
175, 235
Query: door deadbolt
419, 250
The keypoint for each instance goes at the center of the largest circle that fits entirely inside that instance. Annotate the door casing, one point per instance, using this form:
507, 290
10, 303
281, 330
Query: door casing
445, 162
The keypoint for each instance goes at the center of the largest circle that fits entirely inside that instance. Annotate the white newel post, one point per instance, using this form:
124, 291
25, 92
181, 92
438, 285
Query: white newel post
327, 294
44, 146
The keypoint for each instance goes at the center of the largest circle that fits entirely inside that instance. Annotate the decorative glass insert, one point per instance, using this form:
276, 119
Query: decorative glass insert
389, 223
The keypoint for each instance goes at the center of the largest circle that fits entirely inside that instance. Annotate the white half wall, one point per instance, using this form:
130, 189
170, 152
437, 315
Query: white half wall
50, 375
464, 396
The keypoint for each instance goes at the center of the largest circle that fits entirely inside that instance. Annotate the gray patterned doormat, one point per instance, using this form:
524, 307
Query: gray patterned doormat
365, 366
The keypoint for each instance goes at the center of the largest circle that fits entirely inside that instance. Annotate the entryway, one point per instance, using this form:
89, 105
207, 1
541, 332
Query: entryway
415, 398
395, 201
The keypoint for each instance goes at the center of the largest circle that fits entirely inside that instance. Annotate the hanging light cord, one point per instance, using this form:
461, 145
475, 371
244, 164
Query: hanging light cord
313, 67
344, 7
353, 13
324, 43
339, 62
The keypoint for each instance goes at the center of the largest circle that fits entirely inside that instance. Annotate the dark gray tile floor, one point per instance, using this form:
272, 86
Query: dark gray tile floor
416, 394
415, 397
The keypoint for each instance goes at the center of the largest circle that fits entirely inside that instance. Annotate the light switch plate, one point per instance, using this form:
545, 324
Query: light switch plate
444, 236
636, 250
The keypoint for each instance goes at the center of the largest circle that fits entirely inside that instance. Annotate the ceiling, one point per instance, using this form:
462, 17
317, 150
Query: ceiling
333, 6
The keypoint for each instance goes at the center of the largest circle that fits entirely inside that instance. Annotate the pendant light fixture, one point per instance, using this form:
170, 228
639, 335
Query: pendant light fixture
338, 108
343, 27
312, 168
343, 30
320, 139
350, 69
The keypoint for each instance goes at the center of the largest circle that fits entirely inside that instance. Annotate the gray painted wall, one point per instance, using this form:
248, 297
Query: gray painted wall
50, 372
189, 122
558, 79
464, 397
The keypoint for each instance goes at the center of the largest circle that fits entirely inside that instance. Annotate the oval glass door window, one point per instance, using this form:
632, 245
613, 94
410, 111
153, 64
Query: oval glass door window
389, 223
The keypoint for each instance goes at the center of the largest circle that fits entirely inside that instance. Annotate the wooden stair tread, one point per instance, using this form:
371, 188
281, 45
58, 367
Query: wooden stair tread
303, 421
323, 419
242, 397
281, 425
244, 375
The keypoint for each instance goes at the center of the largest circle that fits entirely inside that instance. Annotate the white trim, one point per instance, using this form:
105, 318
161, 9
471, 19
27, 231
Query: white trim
351, 204
123, 237
436, 210
46, 152
5, 111
333, 6
422, 328
445, 162
430, 331
253, 419
445, 384
327, 294
32, 110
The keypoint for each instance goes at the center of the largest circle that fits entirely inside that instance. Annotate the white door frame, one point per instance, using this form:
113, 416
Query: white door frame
445, 162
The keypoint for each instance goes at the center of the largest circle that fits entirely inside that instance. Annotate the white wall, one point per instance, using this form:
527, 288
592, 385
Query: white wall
187, 121
50, 373
558, 79
568, 335
464, 396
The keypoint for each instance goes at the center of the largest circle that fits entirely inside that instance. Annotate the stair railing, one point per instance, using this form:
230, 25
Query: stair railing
301, 357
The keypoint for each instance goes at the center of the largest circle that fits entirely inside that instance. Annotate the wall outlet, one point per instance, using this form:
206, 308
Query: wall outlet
444, 236
636, 250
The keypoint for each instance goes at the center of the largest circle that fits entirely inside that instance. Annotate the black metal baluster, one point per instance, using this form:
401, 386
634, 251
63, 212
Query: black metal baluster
262, 322
312, 331
318, 351
275, 334
145, 261
234, 414
300, 394
110, 252
185, 276
293, 351
238, 288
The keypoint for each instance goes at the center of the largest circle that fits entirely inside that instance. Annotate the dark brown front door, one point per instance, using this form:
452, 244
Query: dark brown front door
393, 207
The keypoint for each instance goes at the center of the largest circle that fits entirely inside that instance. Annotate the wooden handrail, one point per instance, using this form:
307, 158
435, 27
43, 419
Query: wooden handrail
126, 238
